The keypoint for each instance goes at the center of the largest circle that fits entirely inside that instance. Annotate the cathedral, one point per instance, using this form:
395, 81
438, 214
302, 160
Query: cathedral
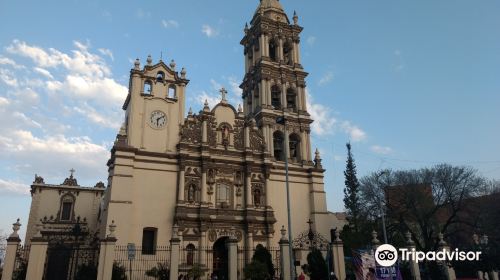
220, 172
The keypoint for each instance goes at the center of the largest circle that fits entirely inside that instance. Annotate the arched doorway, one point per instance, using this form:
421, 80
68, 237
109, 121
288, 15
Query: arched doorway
220, 258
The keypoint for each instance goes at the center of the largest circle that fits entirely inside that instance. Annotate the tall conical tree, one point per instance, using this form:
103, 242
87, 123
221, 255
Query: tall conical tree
351, 192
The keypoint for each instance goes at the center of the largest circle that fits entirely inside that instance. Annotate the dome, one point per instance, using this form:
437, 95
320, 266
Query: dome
271, 9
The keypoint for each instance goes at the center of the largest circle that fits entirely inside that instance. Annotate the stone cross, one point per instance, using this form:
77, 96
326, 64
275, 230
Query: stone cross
223, 92
72, 171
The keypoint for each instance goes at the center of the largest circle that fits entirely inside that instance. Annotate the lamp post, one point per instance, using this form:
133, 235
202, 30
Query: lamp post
282, 120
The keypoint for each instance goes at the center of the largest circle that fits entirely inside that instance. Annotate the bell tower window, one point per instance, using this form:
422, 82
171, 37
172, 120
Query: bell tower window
291, 99
66, 210
172, 93
147, 88
278, 140
276, 97
287, 53
294, 145
160, 76
273, 50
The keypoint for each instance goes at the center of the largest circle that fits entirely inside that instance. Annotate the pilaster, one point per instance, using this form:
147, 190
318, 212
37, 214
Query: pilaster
36, 262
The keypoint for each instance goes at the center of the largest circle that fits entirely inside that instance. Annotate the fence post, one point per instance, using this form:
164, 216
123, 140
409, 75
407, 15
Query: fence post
175, 244
38, 254
232, 248
414, 269
450, 272
10, 255
284, 255
107, 254
338, 257
494, 275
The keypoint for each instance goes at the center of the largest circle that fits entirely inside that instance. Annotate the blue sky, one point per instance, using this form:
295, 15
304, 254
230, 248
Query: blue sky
409, 83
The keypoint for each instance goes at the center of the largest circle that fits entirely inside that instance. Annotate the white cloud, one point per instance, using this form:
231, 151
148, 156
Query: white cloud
399, 65
327, 78
355, 133
107, 52
141, 14
209, 31
170, 23
210, 98
12, 187
8, 78
43, 72
311, 40
4, 101
381, 150
10, 62
97, 118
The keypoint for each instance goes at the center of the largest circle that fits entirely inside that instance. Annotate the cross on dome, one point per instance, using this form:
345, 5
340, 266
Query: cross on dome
223, 92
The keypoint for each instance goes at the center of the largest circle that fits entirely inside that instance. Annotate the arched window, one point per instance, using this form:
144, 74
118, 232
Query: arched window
160, 76
67, 208
147, 88
291, 99
257, 197
273, 47
190, 249
294, 144
287, 53
276, 97
223, 197
278, 140
172, 92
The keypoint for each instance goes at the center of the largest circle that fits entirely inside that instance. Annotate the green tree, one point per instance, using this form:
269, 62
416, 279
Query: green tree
160, 272
316, 267
119, 272
264, 256
352, 201
195, 272
256, 271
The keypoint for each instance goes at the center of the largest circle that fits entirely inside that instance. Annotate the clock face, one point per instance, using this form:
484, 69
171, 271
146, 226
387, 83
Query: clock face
158, 119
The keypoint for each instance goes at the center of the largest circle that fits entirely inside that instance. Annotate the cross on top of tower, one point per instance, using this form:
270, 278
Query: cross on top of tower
72, 171
223, 92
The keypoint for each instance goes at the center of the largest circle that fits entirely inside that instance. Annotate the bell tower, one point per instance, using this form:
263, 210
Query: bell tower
274, 82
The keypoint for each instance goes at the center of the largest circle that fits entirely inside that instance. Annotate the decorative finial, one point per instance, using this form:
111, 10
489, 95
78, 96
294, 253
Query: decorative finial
240, 109
337, 236
39, 228
149, 60
112, 228
175, 231
441, 241
246, 28
283, 232
15, 228
409, 241
475, 238
137, 64
172, 65
123, 130
205, 106
317, 159
223, 92
190, 113
183, 73
375, 240
295, 18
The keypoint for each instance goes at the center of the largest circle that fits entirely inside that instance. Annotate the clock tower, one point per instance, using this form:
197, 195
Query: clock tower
154, 108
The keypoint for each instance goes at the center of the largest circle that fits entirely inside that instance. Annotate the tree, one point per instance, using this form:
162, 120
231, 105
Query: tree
256, 271
160, 271
424, 202
316, 267
119, 272
262, 266
351, 192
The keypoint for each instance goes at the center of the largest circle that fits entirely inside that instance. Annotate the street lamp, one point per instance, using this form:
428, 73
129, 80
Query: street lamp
282, 120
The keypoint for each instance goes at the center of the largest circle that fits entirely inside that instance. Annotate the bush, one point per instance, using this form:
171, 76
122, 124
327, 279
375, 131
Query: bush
119, 272
256, 271
86, 272
20, 272
316, 267
160, 272
195, 272
263, 256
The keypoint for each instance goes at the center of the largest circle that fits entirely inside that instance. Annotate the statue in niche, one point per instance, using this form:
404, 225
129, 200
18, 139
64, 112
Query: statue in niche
225, 136
256, 197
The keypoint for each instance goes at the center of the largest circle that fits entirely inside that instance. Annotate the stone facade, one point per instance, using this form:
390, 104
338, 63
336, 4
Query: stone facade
219, 173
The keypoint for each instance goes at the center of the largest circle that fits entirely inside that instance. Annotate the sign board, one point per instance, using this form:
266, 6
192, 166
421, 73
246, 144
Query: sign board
131, 251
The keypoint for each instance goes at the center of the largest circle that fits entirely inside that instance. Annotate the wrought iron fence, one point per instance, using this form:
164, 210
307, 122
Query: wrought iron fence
144, 264
21, 262
68, 262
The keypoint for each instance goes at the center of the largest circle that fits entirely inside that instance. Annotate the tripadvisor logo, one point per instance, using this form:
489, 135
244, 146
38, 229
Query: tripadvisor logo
387, 255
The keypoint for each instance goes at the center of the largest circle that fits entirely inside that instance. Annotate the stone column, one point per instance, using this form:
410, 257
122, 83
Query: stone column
271, 143
266, 194
414, 269
285, 255
302, 91
308, 145
338, 257
107, 254
303, 145
283, 96
268, 92
203, 246
38, 254
10, 255
280, 50
248, 185
180, 195
204, 132
204, 185
249, 246
247, 136
175, 244
450, 272
232, 248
